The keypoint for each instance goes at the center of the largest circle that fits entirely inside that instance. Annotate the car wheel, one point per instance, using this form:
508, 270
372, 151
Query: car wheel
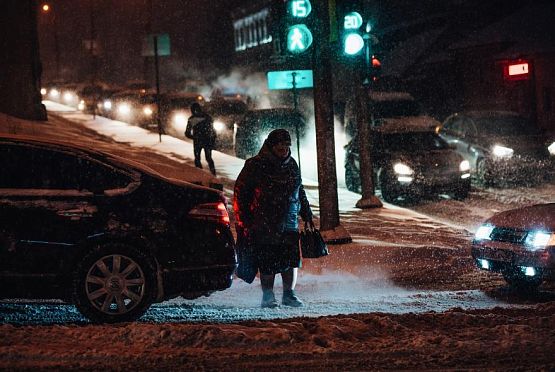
114, 283
388, 194
522, 283
352, 178
483, 178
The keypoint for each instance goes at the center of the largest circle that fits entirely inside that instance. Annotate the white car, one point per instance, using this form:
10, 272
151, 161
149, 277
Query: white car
520, 244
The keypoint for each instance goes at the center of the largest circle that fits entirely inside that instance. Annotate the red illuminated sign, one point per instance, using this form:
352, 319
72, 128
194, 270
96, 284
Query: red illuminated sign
516, 70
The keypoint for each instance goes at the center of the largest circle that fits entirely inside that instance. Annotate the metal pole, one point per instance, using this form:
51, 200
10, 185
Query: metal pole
331, 229
368, 199
157, 88
295, 107
56, 44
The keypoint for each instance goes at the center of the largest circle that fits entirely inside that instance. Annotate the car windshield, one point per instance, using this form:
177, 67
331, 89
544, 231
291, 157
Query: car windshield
395, 108
505, 126
414, 141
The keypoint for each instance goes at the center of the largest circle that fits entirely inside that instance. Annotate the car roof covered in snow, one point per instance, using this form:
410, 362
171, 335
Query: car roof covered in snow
129, 165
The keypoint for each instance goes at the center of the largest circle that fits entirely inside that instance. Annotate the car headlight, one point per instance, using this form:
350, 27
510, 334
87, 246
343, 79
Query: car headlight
180, 119
124, 109
539, 239
402, 169
502, 151
147, 110
54, 93
43, 91
464, 166
219, 126
107, 104
81, 105
484, 232
551, 148
68, 96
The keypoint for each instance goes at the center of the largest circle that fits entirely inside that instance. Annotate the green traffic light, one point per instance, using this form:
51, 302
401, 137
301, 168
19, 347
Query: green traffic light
353, 44
300, 8
299, 38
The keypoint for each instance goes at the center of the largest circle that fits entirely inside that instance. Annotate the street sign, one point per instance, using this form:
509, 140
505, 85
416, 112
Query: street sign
284, 79
163, 42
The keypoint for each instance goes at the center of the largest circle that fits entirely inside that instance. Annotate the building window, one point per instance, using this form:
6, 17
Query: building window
252, 30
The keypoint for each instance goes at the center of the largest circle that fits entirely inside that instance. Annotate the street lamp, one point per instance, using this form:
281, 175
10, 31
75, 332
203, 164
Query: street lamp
47, 9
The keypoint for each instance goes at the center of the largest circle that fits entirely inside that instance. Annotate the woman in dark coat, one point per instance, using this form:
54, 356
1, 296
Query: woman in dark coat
268, 199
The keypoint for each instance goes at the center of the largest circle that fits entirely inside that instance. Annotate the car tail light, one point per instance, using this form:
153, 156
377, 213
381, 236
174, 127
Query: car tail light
216, 212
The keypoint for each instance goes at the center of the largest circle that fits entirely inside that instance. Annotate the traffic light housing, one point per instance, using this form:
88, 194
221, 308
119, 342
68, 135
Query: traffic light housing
375, 68
350, 23
298, 33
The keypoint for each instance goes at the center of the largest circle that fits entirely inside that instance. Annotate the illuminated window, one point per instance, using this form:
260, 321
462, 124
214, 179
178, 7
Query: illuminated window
252, 30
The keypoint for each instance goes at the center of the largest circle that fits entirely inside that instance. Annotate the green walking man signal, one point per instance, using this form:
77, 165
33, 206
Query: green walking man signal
299, 37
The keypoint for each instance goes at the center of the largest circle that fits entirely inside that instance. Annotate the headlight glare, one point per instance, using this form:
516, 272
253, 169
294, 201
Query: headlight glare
539, 239
484, 232
124, 109
147, 110
464, 166
402, 169
502, 151
219, 126
180, 119
551, 148
108, 105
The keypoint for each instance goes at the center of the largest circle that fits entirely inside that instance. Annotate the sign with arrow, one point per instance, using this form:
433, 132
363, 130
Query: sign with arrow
290, 79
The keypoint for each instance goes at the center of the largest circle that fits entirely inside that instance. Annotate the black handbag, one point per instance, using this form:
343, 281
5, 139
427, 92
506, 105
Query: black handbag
312, 243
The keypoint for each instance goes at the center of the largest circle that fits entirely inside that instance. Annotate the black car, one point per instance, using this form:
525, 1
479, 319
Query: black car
520, 244
225, 113
134, 107
255, 126
175, 109
499, 145
107, 234
89, 97
409, 164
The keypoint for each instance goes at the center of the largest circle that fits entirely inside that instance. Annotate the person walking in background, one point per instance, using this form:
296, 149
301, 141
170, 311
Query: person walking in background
268, 198
201, 130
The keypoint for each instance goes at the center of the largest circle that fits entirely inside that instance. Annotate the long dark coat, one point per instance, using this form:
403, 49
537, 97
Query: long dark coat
268, 198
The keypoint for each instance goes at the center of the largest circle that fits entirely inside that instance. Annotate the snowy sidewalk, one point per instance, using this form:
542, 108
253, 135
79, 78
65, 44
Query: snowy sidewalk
228, 167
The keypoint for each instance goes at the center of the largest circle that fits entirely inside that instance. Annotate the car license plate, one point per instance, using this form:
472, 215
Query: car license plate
497, 255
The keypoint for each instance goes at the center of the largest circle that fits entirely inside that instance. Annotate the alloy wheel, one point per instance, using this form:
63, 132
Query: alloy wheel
115, 284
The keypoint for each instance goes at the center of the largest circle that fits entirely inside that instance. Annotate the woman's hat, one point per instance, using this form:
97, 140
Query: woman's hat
278, 135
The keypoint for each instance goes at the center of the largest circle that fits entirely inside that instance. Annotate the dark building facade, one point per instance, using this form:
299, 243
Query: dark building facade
450, 54
20, 61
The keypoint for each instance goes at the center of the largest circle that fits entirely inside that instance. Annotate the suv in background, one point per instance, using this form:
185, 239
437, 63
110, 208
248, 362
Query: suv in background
500, 146
390, 108
409, 164
108, 235
255, 126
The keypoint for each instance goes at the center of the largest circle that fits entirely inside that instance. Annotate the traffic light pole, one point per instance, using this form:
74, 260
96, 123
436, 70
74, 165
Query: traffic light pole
330, 226
296, 107
368, 199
